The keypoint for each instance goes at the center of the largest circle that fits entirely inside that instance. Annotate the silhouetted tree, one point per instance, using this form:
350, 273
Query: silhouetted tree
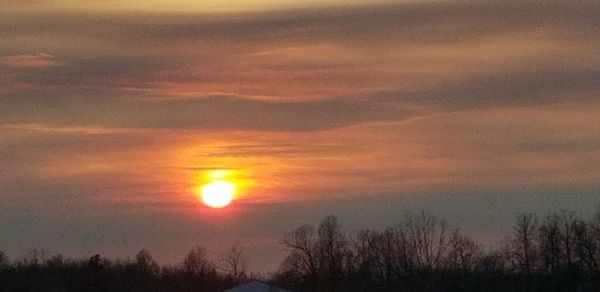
588, 243
196, 262
201, 273
550, 244
301, 264
146, 269
463, 253
524, 244
587, 247
384, 259
145, 263
3, 260
331, 249
322, 259
559, 254
235, 262
426, 235
34, 258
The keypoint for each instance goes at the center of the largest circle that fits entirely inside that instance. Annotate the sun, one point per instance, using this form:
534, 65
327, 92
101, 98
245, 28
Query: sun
218, 194
217, 188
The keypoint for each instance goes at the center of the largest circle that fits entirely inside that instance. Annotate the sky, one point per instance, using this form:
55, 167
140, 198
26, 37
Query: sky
113, 113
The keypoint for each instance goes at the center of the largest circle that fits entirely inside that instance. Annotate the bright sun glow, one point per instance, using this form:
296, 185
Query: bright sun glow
218, 194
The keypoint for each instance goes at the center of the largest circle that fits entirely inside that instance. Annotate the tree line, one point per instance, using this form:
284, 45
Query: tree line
421, 253
38, 271
559, 252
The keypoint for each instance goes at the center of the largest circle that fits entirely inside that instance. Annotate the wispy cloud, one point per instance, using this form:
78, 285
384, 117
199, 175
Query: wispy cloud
421, 58
29, 61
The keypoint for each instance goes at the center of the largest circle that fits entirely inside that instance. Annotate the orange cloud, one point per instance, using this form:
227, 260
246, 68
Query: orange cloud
29, 61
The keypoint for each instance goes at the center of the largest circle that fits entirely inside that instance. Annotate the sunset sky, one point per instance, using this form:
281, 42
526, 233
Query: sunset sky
114, 113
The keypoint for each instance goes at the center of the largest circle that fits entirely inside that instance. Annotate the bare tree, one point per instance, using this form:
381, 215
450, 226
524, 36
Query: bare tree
145, 263
384, 258
550, 244
34, 257
588, 243
322, 258
462, 253
567, 222
331, 247
595, 241
524, 245
492, 262
235, 262
587, 247
302, 260
426, 235
196, 262
367, 256
3, 260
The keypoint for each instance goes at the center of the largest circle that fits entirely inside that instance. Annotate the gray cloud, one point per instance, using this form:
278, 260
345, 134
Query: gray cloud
140, 54
195, 113
94, 70
533, 87
409, 22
